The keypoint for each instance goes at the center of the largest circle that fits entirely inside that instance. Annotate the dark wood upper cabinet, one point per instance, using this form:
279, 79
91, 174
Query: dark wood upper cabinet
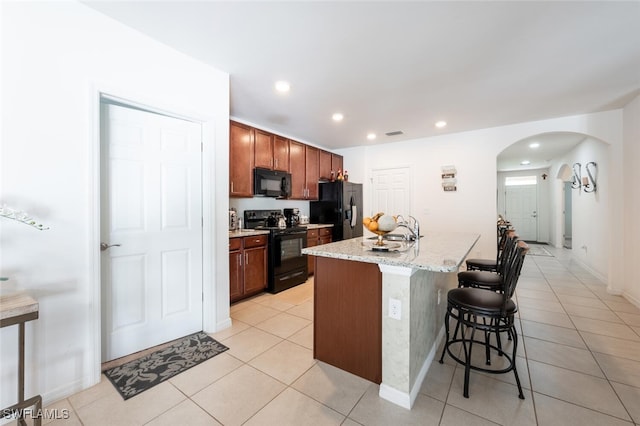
297, 170
336, 163
241, 160
280, 153
263, 149
325, 165
250, 148
312, 157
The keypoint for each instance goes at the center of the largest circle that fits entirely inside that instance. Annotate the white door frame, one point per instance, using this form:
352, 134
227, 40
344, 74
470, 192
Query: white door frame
209, 303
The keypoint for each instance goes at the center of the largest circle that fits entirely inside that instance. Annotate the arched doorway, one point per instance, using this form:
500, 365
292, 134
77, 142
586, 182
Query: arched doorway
527, 184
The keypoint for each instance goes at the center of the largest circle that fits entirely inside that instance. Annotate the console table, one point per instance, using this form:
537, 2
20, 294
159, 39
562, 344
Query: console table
18, 309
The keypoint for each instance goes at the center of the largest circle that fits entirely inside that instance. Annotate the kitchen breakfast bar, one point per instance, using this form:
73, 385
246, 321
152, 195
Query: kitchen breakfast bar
380, 314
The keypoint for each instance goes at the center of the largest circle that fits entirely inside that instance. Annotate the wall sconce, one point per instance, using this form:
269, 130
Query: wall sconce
576, 181
589, 181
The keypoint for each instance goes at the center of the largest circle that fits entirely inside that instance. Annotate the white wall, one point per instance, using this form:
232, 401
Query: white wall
591, 212
473, 207
631, 208
56, 56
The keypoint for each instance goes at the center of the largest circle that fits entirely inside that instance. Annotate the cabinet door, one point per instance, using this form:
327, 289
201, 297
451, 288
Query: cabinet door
297, 170
312, 172
337, 163
312, 240
241, 144
280, 153
263, 149
235, 275
255, 269
325, 165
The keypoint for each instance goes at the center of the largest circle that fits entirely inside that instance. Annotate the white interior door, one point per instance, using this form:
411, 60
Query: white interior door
522, 211
391, 192
151, 207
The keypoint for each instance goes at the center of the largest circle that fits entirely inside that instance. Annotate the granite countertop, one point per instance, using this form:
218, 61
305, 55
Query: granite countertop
436, 251
317, 225
247, 233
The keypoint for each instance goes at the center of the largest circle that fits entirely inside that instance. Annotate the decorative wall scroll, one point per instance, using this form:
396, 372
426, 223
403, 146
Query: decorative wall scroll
449, 178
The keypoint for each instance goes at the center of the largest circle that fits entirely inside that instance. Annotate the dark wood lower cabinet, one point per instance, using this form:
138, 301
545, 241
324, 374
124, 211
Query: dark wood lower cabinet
316, 237
348, 316
247, 266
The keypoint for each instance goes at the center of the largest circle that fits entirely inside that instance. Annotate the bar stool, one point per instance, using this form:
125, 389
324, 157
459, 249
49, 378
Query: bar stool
491, 280
487, 312
491, 265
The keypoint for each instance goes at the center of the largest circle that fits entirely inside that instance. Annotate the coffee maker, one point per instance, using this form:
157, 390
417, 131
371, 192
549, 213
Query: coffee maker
292, 217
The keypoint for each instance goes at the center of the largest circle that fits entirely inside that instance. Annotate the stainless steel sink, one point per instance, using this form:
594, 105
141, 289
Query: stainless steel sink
393, 237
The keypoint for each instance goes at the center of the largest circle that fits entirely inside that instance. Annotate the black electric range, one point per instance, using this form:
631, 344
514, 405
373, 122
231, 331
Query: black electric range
286, 263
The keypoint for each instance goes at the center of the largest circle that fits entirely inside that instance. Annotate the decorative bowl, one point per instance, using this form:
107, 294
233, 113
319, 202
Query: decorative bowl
386, 224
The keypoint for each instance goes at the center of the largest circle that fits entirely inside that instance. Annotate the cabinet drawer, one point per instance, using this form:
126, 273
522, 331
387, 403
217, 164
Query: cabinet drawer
312, 233
235, 244
325, 231
325, 240
256, 241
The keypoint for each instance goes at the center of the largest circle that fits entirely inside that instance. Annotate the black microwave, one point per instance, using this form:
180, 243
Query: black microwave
271, 183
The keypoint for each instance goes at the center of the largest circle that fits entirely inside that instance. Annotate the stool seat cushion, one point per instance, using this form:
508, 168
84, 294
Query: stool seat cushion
480, 300
483, 277
487, 263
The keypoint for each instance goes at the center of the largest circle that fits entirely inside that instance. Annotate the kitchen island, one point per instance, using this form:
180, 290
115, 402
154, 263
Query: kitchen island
380, 315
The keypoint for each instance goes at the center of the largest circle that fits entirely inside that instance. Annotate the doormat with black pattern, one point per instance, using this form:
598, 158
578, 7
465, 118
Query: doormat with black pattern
143, 373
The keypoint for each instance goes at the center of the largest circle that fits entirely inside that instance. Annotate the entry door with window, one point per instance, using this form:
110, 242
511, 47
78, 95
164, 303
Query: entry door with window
521, 208
151, 229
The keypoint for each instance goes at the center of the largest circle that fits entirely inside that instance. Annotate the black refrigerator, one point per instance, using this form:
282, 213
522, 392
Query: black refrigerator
339, 204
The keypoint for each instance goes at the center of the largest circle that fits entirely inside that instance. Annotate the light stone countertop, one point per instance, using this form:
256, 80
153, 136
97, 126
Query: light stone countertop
436, 251
317, 225
248, 233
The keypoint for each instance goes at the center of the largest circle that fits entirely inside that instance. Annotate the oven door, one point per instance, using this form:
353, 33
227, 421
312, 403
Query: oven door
289, 264
288, 251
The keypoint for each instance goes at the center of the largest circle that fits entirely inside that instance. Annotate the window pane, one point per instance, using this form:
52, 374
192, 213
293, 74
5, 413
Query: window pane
520, 180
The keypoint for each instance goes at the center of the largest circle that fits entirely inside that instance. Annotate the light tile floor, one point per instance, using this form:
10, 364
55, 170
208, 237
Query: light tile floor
579, 362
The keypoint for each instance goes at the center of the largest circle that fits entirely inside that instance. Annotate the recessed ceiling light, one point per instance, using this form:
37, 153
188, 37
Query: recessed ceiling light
534, 145
282, 86
525, 162
440, 124
371, 136
337, 116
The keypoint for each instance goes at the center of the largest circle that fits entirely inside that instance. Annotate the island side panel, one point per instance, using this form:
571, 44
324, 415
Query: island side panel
348, 316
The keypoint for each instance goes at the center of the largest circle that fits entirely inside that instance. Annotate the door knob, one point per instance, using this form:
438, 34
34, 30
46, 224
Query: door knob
105, 246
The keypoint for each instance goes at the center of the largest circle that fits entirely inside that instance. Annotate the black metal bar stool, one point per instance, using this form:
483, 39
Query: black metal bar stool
491, 265
491, 280
476, 309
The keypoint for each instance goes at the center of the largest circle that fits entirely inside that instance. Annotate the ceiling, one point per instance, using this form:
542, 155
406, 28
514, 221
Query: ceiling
402, 66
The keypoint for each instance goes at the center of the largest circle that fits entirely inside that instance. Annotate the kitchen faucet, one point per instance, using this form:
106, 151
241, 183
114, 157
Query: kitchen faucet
414, 228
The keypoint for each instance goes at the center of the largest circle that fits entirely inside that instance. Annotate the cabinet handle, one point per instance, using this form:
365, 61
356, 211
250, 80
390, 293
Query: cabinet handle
246, 258
232, 187
276, 162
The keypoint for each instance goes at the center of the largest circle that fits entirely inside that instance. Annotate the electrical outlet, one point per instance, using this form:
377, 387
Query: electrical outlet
439, 295
395, 309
